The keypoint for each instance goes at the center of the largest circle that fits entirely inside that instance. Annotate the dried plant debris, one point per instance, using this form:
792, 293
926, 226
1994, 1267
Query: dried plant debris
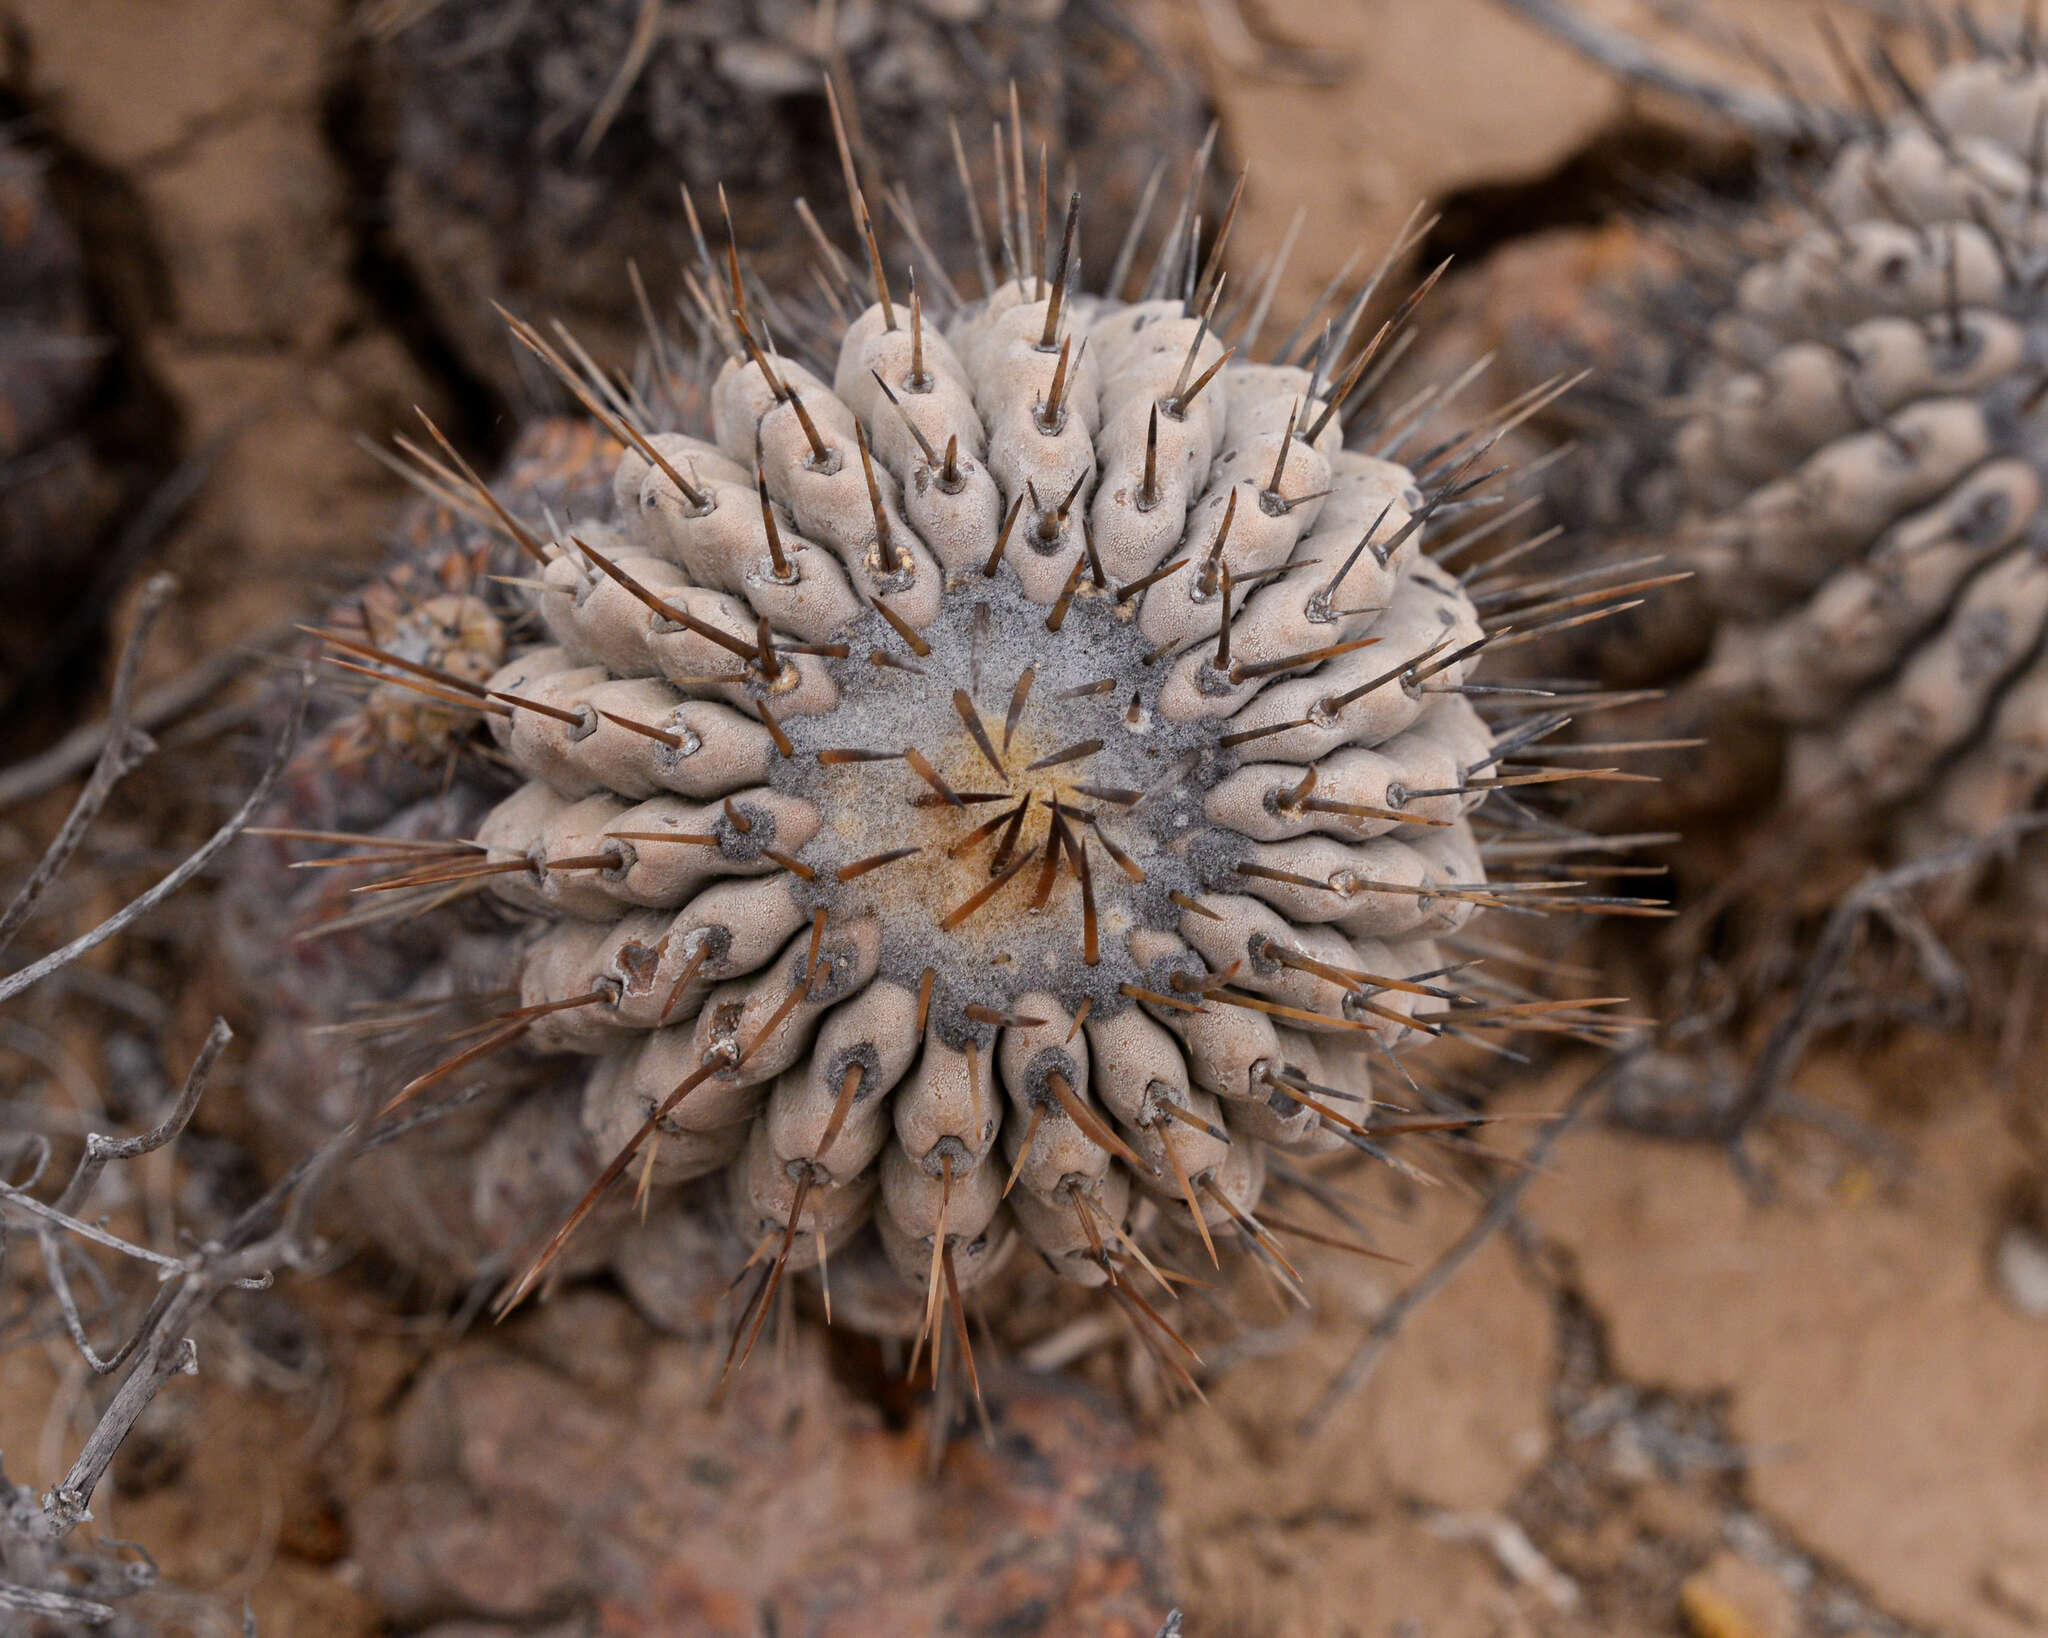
1641, 1517
51, 1578
536, 145
1018, 784
128, 1302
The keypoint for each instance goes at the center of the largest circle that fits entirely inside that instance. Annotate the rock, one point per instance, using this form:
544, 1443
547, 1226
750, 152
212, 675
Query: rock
646, 1507
2022, 1262
1867, 1363
1735, 1598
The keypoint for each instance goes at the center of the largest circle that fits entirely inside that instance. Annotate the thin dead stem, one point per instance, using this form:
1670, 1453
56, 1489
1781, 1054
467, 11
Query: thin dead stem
40, 1575
1506, 1198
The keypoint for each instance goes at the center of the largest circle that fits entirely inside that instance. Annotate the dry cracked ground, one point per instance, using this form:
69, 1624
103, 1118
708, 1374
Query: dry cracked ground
1665, 1398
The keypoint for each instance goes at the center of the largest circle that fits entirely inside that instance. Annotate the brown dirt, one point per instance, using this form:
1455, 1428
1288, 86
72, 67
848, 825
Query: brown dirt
1661, 1405
1897, 1425
255, 325
579, 1458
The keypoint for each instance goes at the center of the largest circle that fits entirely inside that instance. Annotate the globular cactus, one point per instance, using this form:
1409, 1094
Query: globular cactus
535, 146
1834, 397
1864, 475
1006, 786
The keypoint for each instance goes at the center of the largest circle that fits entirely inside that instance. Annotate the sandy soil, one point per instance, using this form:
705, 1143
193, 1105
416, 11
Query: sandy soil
1663, 1402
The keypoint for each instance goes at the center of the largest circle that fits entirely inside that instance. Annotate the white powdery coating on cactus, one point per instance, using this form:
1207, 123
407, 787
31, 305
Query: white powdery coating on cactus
973, 1013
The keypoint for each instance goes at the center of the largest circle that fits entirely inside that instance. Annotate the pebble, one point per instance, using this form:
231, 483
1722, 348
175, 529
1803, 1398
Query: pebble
2022, 1265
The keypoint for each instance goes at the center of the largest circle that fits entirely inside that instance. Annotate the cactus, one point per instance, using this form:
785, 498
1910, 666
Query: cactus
1847, 459
1013, 784
1864, 491
535, 145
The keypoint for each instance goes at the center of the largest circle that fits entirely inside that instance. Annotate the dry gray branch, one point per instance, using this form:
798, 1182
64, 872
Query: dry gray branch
37, 1572
1883, 895
160, 706
137, 908
122, 750
44, 1574
1773, 118
1506, 1198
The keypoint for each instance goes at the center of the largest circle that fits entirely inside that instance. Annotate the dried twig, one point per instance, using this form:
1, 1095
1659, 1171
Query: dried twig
136, 909
1770, 117
41, 1575
99, 1151
1506, 1198
1881, 894
269, 1235
55, 1605
121, 752
158, 707
156, 1347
